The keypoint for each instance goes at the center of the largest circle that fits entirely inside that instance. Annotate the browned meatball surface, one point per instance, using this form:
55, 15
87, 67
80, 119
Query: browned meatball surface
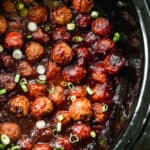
19, 105
62, 15
12, 130
9, 6
34, 51
62, 53
42, 146
7, 61
80, 109
3, 25
41, 107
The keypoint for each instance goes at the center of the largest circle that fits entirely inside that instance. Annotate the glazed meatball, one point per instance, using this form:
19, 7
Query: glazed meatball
41, 107
83, 20
3, 25
74, 74
90, 38
101, 27
66, 117
7, 81
19, 105
12, 130
83, 6
62, 53
114, 62
13, 40
9, 6
26, 69
61, 33
79, 92
103, 92
62, 15
34, 51
81, 109
42, 146
83, 55
37, 90
63, 142
103, 46
7, 61
98, 73
81, 130
28, 1
52, 70
100, 114
40, 36
57, 96
38, 14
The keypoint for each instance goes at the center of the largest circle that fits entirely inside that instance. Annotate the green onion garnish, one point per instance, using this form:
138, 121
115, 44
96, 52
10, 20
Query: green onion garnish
60, 117
116, 37
105, 108
55, 133
63, 83
47, 28
16, 147
77, 39
17, 77
73, 138
24, 88
89, 90
51, 90
93, 134
20, 5
24, 12
71, 86
73, 98
59, 127
103, 142
5, 139
3, 91
41, 81
121, 4
29, 36
2, 146
71, 26
94, 14
59, 148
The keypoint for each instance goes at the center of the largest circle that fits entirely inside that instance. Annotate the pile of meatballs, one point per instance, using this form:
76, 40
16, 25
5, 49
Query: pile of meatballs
78, 67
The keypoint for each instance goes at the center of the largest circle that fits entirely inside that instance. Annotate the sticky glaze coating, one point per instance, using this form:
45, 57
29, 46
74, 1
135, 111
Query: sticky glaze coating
70, 67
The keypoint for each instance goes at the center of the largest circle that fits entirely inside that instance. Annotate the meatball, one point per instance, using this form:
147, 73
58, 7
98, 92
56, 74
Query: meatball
57, 95
66, 117
42, 146
19, 105
83, 55
82, 131
98, 73
9, 6
102, 92
7, 61
74, 74
63, 142
41, 107
62, 53
101, 27
34, 51
61, 33
26, 69
37, 90
81, 109
104, 45
52, 70
3, 25
79, 92
100, 114
7, 81
38, 14
14, 40
28, 1
83, 20
62, 15
12, 130
114, 62
83, 6
40, 36
90, 38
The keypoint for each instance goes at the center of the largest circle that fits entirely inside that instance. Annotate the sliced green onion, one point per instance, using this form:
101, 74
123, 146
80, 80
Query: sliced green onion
16, 147
23, 81
3, 91
73, 98
56, 3
24, 12
17, 54
71, 86
103, 142
94, 14
59, 148
105, 108
60, 117
29, 36
93, 134
89, 90
121, 4
51, 90
20, 5
41, 81
5, 139
59, 127
17, 77
63, 83
42, 77
40, 124
116, 37
1, 48
77, 39
24, 88
73, 138
2, 146
47, 28
71, 26
55, 133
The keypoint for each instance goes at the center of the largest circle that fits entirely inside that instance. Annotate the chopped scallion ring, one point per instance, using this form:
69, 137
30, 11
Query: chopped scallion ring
55, 133
63, 83
59, 148
17, 54
60, 117
41, 81
71, 86
89, 90
32, 26
77, 39
16, 147
116, 37
103, 142
40, 124
93, 134
20, 5
3, 91
71, 26
29, 36
59, 127
73, 138
42, 77
47, 28
73, 98
24, 12
121, 4
5, 139
1, 48
24, 88
105, 108
51, 90
41, 69
17, 77
23, 81
94, 14
2, 146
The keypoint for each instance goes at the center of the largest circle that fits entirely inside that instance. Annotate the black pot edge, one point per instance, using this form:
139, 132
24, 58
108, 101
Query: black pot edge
138, 121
